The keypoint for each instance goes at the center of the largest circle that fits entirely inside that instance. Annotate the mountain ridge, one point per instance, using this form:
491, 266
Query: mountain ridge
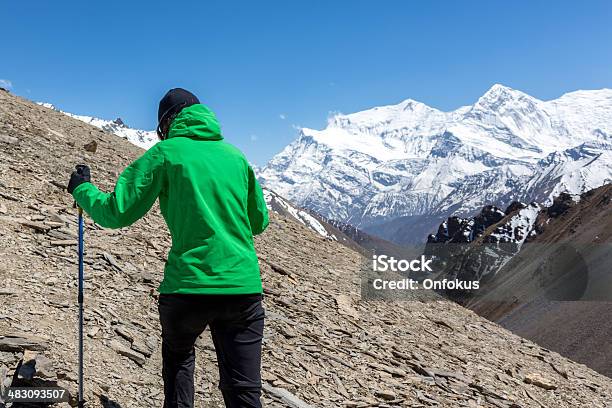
544, 271
409, 160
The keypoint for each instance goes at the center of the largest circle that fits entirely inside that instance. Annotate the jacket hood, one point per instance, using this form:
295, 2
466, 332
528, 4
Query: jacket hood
197, 122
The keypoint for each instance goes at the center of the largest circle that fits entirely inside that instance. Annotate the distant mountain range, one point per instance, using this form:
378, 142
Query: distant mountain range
141, 138
398, 170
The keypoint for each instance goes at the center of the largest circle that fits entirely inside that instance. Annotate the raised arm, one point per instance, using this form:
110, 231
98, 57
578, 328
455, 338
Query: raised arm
135, 192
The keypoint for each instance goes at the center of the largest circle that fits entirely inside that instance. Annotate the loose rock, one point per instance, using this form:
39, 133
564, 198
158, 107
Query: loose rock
133, 355
540, 381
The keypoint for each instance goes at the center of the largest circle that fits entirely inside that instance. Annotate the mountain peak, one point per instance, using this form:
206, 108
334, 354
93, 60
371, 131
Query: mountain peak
499, 87
120, 122
499, 91
498, 95
406, 110
409, 102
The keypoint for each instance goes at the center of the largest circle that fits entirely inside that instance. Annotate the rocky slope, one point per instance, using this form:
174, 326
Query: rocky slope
570, 311
545, 271
397, 170
324, 346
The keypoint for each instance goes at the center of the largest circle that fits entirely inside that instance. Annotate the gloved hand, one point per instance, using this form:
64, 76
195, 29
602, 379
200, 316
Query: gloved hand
81, 175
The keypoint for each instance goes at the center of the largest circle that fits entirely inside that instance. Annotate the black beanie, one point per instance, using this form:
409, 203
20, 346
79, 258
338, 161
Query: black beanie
172, 103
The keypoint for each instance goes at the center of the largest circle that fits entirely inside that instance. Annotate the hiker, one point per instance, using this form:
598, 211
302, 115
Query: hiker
213, 205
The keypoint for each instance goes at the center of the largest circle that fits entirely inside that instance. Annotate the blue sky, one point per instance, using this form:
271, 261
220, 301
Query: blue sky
267, 67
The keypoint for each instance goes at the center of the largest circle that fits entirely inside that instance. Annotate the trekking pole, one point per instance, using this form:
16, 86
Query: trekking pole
81, 402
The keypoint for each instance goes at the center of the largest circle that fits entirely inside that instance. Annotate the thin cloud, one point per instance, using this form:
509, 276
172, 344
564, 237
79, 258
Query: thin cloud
253, 138
5, 83
282, 116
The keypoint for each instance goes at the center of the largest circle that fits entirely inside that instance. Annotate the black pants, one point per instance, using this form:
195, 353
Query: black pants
236, 324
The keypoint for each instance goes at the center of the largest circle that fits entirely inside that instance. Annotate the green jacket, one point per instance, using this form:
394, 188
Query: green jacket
209, 197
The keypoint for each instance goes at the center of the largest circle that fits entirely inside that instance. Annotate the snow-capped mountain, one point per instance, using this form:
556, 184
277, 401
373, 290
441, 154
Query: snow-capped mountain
398, 170
142, 138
